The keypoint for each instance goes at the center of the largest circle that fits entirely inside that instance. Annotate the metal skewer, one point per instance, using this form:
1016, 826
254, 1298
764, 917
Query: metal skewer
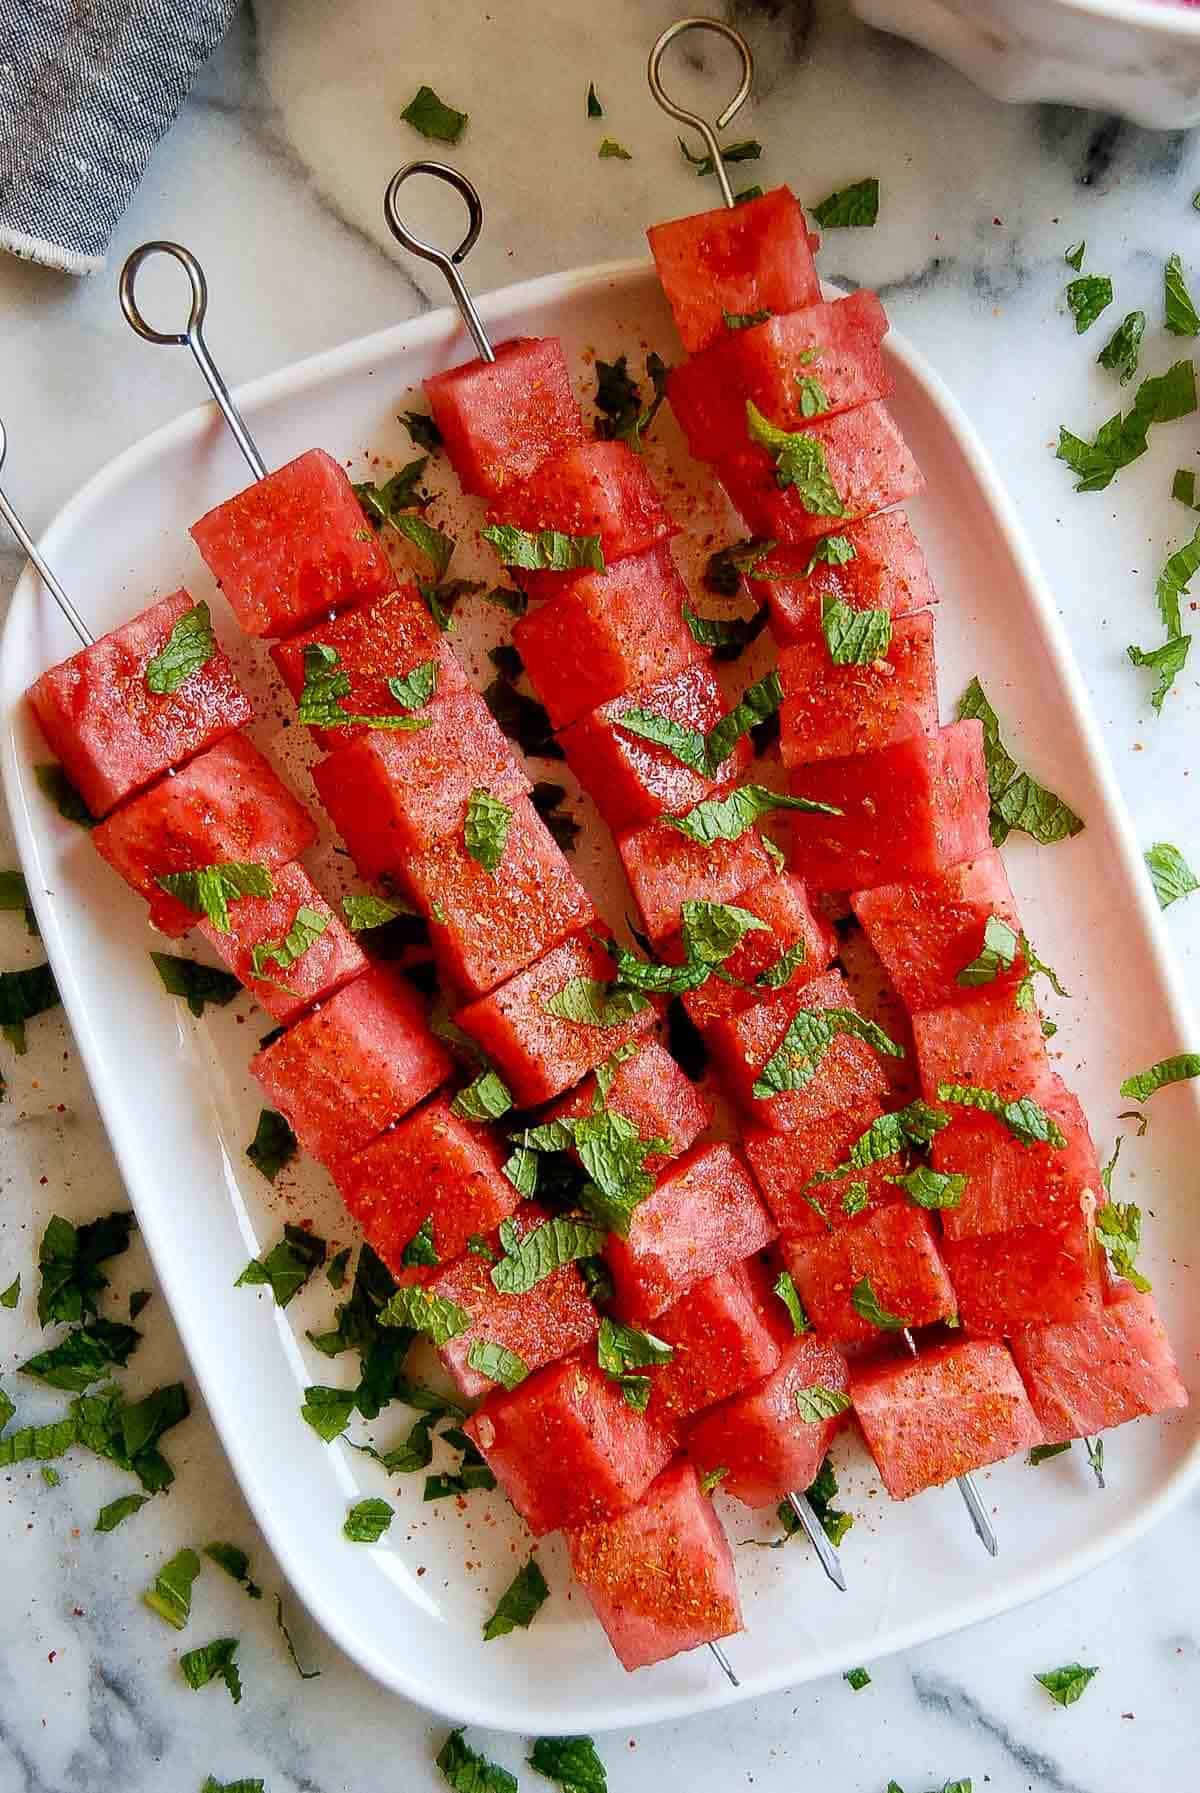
448, 264
708, 132
35, 554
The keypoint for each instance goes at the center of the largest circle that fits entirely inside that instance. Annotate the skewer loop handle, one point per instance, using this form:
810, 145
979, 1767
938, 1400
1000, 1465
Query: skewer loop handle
447, 264
707, 131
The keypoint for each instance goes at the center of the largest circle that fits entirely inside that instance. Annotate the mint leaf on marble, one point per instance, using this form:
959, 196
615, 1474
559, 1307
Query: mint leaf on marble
1180, 315
1067, 1684
847, 207
1087, 297
434, 119
69, 1260
1124, 438
213, 1662
84, 1355
171, 1595
572, 1762
466, 1771
1120, 353
235, 1563
594, 108
610, 150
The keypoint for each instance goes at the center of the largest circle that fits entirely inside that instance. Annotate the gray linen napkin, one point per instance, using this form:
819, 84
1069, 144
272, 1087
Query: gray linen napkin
87, 88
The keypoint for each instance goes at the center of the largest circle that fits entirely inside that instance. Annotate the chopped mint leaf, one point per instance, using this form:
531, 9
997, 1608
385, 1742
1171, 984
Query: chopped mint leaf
527, 1261
1170, 873
1181, 317
727, 817
747, 150
725, 569
1017, 800
591, 1003
1036, 967
1141, 1086
1183, 486
213, 1662
190, 645
1120, 353
10, 1296
523, 719
1167, 660
36, 1443
687, 745
1066, 1685
508, 598
854, 637
210, 889
310, 1674
53, 783
1095, 1456
1173, 582
622, 1350
849, 206
817, 1403
1074, 256
810, 1034
442, 596
212, 1785
1025, 1119
997, 954
419, 1310
197, 984
307, 927
610, 149
69, 1260
858, 1678
437, 547
619, 400
571, 1761
1119, 1230
497, 1362
788, 1293
745, 320
367, 1521
486, 1099
288, 1265
274, 1144
833, 551
521, 1169
728, 637
235, 1563
520, 1602
416, 688
14, 895
420, 1250
757, 702
50, 1476
400, 492
545, 550
171, 1595
821, 1494
431, 116
423, 431
713, 1478
594, 108
23, 995
776, 976
124, 1507
865, 1302
747, 194
335, 1270
1123, 439
326, 684
366, 911
1087, 297
468, 1772
84, 1355
1041, 1453
813, 398
485, 830
931, 1188
711, 932
548, 799
800, 462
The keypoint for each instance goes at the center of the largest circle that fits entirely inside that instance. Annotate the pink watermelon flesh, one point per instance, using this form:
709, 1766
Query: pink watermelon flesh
759, 1438
650, 1090
112, 733
757, 257
1031, 1276
895, 1248
987, 1042
500, 419
567, 1448
721, 1340
784, 1163
927, 933
782, 902
595, 488
887, 571
943, 1414
1010, 1184
665, 869
660, 1578
226, 806
331, 961
830, 712
1108, 1368
293, 547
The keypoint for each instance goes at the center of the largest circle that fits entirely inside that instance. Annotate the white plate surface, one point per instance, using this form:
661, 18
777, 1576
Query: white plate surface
179, 1104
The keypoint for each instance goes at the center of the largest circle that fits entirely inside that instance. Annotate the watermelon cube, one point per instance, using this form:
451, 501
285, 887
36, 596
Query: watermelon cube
392, 794
757, 257
943, 1414
847, 1073
927, 932
595, 488
1112, 1366
660, 1578
539, 1054
987, 1041
567, 1448
227, 806
759, 1437
547, 1322
830, 712
650, 1090
1010, 1184
486, 926
785, 1163
868, 462
825, 357
1031, 1276
721, 1340
292, 547
632, 780
374, 643
347, 1070
666, 868
112, 733
895, 1248
887, 571
500, 419
332, 959
605, 633
908, 811
433, 1165
782, 902
701, 1216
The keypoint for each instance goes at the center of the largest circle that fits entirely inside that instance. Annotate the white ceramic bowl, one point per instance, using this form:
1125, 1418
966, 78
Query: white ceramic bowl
1137, 57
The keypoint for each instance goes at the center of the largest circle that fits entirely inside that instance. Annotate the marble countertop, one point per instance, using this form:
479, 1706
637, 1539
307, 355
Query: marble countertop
273, 175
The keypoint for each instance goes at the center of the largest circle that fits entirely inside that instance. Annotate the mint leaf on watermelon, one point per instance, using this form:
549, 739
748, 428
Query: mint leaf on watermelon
745, 320
756, 704
468, 1772
1017, 800
865, 1303
931, 1188
434, 119
589, 1002
53, 783
854, 637
190, 645
326, 684
810, 1034
799, 458
311, 1674
210, 889
687, 745
364, 911
728, 637
623, 1350
788, 1293
1119, 1230
288, 1265
367, 1521
728, 817
24, 995
486, 1099
421, 1311
307, 927
1170, 873
1120, 353
420, 1250
1025, 1119
572, 1762
171, 1595
817, 1403
997, 954
775, 976
544, 550
416, 688
713, 931
197, 984
497, 1362
485, 830
813, 398
1087, 297
521, 1169
1066, 1685
713, 1478
849, 207
530, 1259
520, 1602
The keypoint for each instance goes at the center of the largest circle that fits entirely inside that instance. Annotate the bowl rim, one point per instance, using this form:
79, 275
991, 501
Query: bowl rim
1162, 16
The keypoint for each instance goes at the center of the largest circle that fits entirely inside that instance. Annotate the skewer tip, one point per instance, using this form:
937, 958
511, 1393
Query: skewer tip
725, 1665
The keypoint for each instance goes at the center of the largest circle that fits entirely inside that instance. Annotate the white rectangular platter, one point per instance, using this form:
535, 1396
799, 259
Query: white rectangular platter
179, 1104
